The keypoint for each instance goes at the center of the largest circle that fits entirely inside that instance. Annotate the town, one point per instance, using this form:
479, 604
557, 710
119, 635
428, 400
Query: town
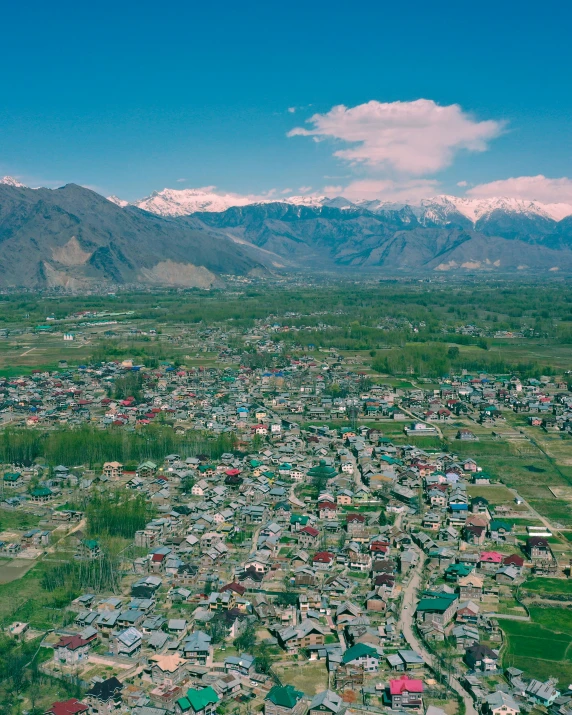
299, 539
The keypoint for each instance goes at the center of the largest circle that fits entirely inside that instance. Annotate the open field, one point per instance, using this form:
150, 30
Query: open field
12, 570
541, 647
311, 678
549, 586
17, 519
493, 493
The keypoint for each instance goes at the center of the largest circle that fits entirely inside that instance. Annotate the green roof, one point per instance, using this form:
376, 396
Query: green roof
12, 476
458, 570
90, 544
41, 492
322, 470
359, 650
434, 605
299, 519
198, 699
285, 697
497, 524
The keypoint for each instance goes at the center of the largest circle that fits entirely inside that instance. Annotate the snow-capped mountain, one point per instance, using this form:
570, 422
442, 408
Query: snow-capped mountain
181, 202
116, 200
440, 210
11, 181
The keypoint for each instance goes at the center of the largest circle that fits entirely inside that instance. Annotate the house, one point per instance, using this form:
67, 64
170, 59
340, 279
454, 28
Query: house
499, 703
308, 633
73, 649
471, 587
113, 470
13, 480
479, 505
168, 670
308, 537
198, 702
327, 702
68, 707
284, 700
104, 698
128, 642
197, 648
243, 664
362, 656
327, 510
499, 530
542, 693
482, 658
439, 608
146, 470
41, 495
323, 560
406, 693
538, 548
89, 549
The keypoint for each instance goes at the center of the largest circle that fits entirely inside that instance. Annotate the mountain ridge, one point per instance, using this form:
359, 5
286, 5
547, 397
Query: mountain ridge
438, 209
74, 238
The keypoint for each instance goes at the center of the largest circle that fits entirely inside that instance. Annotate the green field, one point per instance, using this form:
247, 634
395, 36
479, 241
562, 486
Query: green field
540, 647
548, 585
21, 520
494, 494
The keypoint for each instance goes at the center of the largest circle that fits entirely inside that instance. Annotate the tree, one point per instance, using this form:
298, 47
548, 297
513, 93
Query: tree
217, 628
245, 642
263, 662
287, 599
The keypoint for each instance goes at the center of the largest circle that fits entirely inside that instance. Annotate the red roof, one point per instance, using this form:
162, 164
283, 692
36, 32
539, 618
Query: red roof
355, 517
323, 557
309, 530
513, 560
326, 505
405, 685
236, 587
157, 557
68, 707
491, 557
71, 642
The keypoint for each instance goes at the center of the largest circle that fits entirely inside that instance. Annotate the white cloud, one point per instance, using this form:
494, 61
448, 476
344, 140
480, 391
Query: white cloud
291, 110
304, 189
530, 188
181, 180
386, 190
413, 138
286, 191
462, 183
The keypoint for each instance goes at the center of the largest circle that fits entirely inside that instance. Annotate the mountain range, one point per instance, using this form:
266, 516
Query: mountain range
75, 238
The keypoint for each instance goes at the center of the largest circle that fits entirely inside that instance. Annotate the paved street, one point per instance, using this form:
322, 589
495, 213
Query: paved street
406, 623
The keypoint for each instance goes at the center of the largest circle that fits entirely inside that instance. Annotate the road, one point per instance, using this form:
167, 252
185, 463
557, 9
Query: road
425, 422
406, 624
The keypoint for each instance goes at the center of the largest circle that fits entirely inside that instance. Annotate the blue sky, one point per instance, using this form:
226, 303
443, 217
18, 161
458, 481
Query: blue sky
132, 97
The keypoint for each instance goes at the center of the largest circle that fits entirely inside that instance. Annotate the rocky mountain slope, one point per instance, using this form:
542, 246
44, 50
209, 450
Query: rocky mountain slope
394, 239
75, 238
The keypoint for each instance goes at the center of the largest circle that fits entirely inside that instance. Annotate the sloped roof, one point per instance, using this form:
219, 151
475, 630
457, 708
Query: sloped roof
284, 696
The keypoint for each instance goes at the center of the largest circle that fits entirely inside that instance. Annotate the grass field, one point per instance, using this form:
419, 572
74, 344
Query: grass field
21, 520
311, 678
541, 647
493, 493
548, 585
